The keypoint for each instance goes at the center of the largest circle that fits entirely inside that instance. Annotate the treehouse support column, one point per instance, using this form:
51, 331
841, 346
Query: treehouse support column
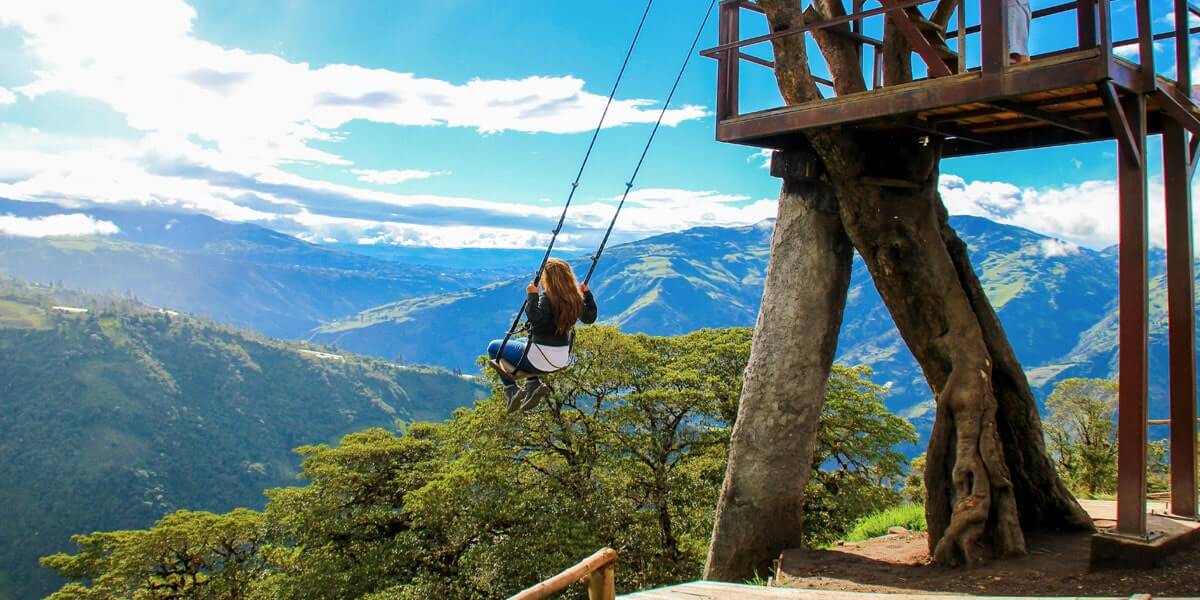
1131, 402
760, 510
1181, 318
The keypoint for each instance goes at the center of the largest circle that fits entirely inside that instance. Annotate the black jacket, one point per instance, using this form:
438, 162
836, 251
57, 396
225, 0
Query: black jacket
541, 319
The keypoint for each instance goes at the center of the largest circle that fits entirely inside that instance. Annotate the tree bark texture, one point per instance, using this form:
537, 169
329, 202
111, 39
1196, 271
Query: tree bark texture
988, 477
775, 434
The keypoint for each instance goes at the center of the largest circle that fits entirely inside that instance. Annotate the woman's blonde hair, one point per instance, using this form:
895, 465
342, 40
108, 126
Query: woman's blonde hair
558, 280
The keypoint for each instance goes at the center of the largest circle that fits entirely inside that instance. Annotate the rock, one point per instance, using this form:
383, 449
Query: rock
897, 530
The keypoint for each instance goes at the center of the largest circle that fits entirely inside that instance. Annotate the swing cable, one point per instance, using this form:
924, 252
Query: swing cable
575, 184
646, 149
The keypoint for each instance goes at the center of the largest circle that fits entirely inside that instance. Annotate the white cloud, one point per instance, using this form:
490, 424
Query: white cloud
1084, 214
6, 96
1051, 248
55, 225
369, 232
762, 157
394, 176
261, 109
658, 210
1169, 19
168, 173
1131, 51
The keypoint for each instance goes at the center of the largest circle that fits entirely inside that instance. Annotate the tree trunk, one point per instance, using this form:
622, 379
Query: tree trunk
1043, 500
775, 434
988, 477
986, 426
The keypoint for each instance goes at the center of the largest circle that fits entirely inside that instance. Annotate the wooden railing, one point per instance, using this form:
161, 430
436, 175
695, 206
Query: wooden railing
1093, 23
596, 571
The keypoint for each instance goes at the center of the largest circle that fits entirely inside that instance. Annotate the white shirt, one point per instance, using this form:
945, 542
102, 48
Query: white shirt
548, 359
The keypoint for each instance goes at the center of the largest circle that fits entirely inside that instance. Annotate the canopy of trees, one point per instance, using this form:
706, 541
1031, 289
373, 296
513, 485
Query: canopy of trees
628, 452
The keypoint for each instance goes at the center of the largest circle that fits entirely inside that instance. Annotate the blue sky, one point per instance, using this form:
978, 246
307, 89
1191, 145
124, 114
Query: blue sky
454, 123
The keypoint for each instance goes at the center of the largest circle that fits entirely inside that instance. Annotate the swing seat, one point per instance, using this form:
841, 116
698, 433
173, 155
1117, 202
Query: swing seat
507, 369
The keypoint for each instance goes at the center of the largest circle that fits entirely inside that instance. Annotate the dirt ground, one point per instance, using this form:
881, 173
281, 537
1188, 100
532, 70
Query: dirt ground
1056, 565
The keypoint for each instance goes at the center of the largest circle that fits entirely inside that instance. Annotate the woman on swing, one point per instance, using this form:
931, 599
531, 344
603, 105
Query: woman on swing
553, 311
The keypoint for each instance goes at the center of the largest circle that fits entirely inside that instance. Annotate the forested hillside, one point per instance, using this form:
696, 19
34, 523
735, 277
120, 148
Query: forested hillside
628, 452
113, 417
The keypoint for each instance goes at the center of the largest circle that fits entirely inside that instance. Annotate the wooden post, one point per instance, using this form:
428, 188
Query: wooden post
1085, 19
1146, 43
1132, 336
1104, 12
1181, 317
961, 46
727, 62
993, 19
602, 584
592, 570
1183, 56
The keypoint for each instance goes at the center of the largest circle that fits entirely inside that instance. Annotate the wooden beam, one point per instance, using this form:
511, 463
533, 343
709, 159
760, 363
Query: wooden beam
993, 17
1165, 95
770, 64
920, 44
891, 101
945, 130
1085, 23
992, 109
1146, 43
1046, 117
716, 51
1012, 140
1126, 138
1181, 318
728, 80
553, 586
1183, 55
1133, 338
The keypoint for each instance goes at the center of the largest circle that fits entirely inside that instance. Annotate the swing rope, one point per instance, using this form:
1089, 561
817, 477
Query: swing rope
575, 184
595, 258
646, 149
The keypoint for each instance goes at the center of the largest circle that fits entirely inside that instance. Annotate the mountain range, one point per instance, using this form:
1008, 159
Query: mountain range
240, 274
441, 306
1057, 301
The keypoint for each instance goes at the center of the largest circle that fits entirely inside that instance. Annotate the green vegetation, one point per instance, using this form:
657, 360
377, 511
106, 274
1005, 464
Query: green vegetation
114, 417
1081, 435
908, 516
628, 451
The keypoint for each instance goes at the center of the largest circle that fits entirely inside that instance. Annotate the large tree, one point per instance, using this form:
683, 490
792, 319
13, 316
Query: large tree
988, 477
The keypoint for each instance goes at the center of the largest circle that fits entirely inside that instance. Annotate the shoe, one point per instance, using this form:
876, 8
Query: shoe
513, 395
535, 390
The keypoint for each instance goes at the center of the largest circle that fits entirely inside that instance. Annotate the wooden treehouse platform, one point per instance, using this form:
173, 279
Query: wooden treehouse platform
1055, 100
986, 102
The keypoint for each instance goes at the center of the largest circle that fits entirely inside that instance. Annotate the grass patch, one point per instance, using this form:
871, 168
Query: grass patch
908, 516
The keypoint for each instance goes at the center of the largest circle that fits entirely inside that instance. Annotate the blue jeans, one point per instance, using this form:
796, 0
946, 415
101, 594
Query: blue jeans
513, 351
